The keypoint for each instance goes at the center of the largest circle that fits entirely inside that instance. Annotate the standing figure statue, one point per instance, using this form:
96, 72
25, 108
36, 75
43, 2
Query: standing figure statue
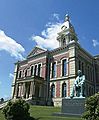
78, 87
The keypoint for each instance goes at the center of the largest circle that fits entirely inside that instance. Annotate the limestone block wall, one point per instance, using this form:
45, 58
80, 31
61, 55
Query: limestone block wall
72, 67
57, 100
85, 62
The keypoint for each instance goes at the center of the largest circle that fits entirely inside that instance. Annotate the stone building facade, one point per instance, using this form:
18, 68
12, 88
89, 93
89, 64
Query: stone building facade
45, 77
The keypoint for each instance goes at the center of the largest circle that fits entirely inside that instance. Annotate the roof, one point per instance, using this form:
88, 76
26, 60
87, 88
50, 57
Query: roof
36, 50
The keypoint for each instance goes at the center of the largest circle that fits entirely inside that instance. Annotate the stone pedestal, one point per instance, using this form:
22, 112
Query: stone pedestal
73, 106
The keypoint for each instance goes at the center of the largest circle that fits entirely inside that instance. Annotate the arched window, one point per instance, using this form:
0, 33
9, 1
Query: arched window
53, 90
64, 67
88, 73
54, 70
82, 68
25, 73
32, 70
64, 42
35, 70
90, 91
64, 90
79, 65
39, 69
20, 73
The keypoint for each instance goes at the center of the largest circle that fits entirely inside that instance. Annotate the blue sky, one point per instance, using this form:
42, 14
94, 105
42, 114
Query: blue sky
26, 23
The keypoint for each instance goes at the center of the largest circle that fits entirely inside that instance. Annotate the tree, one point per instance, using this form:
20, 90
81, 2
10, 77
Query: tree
17, 110
2, 100
92, 108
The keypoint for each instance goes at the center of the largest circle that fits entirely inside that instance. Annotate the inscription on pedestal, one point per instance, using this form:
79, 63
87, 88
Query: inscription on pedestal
73, 106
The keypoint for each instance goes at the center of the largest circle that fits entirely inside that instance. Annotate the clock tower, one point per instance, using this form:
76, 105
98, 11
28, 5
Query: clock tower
67, 33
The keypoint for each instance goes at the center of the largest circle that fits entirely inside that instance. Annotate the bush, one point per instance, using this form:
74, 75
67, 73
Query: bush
92, 108
2, 100
17, 110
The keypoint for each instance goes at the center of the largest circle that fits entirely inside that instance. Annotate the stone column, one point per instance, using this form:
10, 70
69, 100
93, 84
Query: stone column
32, 90
37, 70
40, 91
26, 91
23, 90
19, 90
16, 91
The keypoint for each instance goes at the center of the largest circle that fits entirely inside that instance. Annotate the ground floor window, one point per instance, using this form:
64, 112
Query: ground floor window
53, 90
64, 90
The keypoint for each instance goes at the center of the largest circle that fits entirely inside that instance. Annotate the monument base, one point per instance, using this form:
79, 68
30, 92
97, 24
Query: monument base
75, 106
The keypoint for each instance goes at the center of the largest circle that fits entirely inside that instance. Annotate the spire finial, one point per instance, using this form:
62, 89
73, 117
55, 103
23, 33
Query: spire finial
67, 17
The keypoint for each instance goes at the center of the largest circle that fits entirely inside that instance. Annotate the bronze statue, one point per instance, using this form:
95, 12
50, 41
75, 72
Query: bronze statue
78, 87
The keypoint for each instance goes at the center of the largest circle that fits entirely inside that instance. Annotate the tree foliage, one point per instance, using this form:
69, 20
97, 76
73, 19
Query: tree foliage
92, 108
1, 100
17, 110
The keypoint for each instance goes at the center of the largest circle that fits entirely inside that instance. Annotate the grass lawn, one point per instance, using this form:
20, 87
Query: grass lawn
44, 113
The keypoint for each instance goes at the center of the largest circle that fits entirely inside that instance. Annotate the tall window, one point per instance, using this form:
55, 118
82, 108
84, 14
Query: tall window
25, 73
79, 65
39, 69
82, 68
88, 73
32, 70
20, 73
64, 67
64, 90
64, 42
53, 90
35, 70
54, 70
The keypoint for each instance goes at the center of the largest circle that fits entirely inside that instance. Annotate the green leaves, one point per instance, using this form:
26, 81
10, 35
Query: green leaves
92, 108
17, 110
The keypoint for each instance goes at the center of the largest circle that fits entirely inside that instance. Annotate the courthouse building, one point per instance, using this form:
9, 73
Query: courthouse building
45, 77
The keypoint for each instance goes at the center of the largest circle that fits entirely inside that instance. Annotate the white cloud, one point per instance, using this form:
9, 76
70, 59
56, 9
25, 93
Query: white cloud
49, 35
11, 75
55, 15
95, 43
11, 46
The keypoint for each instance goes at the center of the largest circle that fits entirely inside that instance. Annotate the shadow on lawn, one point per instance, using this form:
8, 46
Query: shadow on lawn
31, 118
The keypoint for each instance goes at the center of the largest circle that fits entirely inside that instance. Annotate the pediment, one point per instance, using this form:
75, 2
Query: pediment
36, 50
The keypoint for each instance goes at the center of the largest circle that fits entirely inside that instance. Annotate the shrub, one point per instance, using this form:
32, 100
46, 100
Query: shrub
2, 100
17, 110
92, 108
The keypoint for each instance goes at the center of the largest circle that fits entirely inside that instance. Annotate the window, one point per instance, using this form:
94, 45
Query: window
64, 67
32, 70
90, 92
64, 41
39, 69
25, 73
79, 65
53, 70
88, 73
64, 90
53, 90
35, 70
82, 68
20, 73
